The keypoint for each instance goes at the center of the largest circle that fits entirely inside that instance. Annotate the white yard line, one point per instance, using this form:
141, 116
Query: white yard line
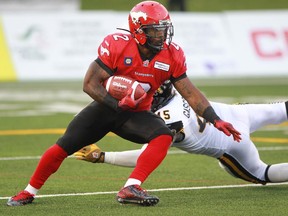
160, 189
276, 148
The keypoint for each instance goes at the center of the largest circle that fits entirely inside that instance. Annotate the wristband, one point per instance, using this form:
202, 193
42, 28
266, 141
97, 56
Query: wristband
112, 103
210, 115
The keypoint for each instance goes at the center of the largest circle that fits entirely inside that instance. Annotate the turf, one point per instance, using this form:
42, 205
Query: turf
183, 181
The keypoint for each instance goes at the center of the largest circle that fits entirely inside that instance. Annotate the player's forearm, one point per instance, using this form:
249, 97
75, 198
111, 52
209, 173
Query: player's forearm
204, 109
196, 99
93, 86
93, 79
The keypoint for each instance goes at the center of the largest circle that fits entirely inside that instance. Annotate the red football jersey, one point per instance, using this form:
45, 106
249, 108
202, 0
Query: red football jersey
119, 52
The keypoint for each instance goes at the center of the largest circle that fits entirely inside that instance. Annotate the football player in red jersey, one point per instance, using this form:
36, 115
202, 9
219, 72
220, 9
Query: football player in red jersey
148, 55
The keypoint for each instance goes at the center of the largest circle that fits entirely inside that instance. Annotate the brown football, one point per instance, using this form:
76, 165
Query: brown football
118, 87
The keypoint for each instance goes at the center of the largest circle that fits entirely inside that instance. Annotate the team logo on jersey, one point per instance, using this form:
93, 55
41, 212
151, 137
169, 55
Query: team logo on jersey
161, 66
145, 63
135, 16
127, 60
103, 51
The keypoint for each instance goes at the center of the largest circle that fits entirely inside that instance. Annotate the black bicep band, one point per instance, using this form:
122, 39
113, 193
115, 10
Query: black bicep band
107, 69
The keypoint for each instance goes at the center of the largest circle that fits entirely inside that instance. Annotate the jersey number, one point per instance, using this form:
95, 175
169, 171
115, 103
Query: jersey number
164, 114
123, 37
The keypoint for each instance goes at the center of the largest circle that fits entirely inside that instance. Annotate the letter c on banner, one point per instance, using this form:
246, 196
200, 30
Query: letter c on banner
258, 38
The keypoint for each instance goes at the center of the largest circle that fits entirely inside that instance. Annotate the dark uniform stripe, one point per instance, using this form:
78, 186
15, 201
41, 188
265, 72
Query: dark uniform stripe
238, 170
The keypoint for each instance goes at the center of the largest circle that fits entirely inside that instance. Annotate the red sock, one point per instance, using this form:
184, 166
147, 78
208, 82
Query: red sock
151, 157
48, 164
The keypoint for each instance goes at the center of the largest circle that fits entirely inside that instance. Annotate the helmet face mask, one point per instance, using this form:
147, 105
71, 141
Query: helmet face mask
150, 25
157, 35
162, 96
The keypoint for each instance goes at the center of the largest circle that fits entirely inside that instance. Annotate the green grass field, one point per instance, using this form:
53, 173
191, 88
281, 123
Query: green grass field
34, 114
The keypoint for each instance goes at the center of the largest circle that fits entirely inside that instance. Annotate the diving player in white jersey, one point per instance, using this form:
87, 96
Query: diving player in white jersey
195, 135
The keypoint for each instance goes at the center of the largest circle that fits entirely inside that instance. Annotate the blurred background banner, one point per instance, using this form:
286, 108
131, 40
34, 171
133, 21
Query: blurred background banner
60, 45
56, 45
260, 41
7, 71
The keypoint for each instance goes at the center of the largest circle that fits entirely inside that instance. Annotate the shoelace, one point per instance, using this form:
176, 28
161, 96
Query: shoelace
142, 191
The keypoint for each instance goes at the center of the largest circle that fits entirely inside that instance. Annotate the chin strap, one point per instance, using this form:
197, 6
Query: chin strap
124, 30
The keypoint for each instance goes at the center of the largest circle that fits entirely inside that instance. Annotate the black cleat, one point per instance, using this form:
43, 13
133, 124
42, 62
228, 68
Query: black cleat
134, 194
